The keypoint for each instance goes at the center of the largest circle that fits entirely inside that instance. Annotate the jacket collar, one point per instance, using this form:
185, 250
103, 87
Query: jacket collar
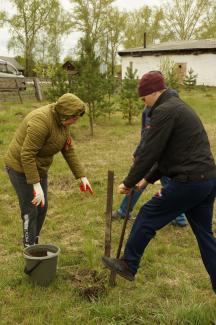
57, 118
161, 99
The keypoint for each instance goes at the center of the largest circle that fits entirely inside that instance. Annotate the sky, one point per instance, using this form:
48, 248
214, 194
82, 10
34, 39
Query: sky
71, 40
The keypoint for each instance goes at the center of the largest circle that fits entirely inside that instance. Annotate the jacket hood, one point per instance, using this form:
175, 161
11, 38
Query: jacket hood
68, 105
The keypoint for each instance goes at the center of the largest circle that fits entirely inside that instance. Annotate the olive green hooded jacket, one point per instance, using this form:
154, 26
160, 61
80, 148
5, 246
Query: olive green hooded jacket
41, 135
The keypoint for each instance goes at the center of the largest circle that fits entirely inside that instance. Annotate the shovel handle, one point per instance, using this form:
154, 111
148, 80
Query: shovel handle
112, 278
125, 222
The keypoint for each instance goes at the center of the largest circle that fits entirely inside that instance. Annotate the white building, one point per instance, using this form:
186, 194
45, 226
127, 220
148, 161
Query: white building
200, 55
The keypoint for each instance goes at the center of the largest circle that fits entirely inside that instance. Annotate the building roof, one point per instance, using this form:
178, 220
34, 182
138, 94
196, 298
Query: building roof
12, 61
204, 45
68, 63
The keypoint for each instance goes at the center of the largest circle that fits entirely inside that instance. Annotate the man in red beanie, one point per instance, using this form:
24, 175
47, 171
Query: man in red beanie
180, 220
176, 146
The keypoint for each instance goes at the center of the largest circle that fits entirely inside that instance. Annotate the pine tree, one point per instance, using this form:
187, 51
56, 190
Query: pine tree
108, 105
89, 83
130, 105
190, 79
59, 82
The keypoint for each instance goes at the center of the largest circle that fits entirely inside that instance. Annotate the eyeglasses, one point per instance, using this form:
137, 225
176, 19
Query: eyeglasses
64, 118
77, 115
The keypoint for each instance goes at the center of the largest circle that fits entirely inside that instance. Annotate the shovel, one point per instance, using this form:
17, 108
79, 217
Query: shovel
112, 279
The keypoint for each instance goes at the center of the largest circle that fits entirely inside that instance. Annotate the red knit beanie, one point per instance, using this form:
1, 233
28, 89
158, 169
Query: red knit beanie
151, 82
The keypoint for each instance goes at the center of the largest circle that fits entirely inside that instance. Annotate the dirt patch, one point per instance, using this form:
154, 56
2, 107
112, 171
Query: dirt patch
90, 284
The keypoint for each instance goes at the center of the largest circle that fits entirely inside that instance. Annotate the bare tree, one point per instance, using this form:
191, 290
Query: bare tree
207, 28
145, 19
182, 17
31, 18
49, 45
113, 36
88, 17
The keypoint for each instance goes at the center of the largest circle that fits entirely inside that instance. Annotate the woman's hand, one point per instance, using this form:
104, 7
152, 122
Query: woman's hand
85, 185
38, 195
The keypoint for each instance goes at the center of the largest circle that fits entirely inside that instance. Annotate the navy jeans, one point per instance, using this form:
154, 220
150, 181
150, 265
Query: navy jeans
180, 219
196, 199
32, 216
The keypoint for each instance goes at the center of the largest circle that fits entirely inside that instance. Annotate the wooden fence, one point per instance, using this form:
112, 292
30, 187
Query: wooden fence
23, 89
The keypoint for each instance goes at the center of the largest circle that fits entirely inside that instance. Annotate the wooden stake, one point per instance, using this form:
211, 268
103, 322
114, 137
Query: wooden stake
18, 91
108, 214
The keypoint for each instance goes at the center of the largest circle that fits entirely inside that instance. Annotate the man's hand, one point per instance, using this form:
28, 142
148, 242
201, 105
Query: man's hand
122, 189
141, 185
85, 185
38, 195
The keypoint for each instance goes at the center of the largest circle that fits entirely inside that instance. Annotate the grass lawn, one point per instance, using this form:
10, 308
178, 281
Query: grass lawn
171, 287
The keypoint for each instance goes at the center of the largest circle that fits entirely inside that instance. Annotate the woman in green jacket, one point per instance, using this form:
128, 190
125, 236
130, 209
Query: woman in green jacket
43, 133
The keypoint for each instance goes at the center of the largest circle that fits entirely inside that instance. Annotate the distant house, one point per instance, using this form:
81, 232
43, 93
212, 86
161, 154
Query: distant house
13, 61
200, 55
69, 67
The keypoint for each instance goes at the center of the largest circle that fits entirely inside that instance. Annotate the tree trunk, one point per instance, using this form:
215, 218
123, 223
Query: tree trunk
91, 120
93, 111
112, 64
107, 50
109, 103
130, 114
28, 64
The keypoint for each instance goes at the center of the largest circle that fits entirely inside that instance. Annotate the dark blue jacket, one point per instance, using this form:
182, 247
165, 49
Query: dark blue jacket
146, 122
176, 145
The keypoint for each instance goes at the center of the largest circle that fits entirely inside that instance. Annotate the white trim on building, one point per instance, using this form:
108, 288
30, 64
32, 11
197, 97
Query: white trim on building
197, 55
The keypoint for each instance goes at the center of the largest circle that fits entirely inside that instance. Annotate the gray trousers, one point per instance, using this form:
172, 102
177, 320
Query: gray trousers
32, 216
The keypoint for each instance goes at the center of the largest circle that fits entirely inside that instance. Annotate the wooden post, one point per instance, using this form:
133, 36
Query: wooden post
108, 214
108, 224
38, 93
17, 86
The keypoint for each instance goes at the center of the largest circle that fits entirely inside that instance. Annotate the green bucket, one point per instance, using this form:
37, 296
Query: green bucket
41, 263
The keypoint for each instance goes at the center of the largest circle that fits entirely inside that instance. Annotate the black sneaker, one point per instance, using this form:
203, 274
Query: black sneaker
119, 266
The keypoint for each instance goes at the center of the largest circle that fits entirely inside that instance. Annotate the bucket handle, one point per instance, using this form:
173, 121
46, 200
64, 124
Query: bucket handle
28, 272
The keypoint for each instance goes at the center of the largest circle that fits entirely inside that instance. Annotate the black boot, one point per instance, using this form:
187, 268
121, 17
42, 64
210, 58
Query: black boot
119, 266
